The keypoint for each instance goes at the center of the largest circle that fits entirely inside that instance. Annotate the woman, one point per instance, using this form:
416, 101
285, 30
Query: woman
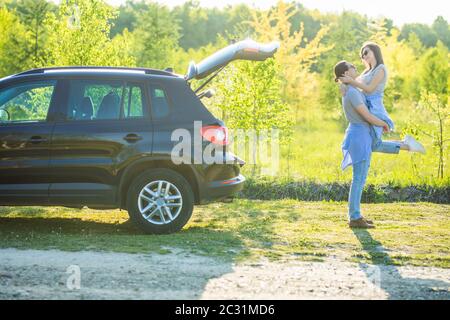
372, 82
358, 141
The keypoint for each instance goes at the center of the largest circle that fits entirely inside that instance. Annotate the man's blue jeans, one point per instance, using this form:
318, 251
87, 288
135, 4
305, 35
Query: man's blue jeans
360, 171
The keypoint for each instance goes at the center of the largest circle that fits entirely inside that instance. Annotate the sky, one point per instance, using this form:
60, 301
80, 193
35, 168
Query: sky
400, 11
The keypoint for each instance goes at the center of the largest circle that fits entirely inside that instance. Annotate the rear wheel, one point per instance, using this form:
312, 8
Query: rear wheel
160, 201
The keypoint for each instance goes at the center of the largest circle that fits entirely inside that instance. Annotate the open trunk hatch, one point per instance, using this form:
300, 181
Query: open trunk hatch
243, 50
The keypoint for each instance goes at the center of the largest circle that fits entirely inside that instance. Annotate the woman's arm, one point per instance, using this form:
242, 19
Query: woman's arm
367, 88
369, 117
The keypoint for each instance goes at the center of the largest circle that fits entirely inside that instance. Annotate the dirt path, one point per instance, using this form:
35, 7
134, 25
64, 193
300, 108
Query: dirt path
35, 274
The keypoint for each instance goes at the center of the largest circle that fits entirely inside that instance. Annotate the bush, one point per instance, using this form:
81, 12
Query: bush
270, 189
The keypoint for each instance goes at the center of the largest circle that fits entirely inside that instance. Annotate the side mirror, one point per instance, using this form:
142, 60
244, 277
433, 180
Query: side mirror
4, 115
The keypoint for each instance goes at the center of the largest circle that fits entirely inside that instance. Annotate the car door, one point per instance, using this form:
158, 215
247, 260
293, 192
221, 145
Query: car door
25, 134
106, 126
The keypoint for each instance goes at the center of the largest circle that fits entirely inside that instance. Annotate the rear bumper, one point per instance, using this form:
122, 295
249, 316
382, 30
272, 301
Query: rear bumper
217, 190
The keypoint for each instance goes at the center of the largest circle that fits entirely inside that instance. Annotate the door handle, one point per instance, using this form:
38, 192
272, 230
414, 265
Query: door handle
37, 139
132, 137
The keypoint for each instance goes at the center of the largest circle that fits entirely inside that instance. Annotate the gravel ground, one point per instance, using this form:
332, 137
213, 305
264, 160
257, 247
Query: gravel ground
52, 274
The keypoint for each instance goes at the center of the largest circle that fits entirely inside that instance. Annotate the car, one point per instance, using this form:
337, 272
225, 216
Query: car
102, 137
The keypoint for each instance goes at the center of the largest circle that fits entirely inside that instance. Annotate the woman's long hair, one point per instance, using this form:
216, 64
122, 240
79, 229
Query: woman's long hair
375, 48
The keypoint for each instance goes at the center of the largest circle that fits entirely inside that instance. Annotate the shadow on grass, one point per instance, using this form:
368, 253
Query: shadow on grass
75, 234
387, 277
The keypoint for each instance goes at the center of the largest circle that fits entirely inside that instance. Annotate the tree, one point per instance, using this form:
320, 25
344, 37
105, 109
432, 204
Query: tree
79, 35
33, 13
303, 17
155, 39
435, 70
347, 33
439, 113
398, 56
295, 56
194, 25
13, 41
415, 44
442, 30
426, 35
249, 94
128, 16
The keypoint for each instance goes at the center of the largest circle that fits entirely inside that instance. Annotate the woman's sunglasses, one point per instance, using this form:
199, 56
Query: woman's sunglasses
365, 53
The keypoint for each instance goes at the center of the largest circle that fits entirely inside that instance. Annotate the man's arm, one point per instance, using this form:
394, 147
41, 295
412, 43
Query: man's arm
369, 117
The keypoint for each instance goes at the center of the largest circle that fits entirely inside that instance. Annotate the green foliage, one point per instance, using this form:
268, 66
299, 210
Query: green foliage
32, 14
438, 125
128, 16
30, 105
442, 30
426, 35
201, 26
250, 97
295, 90
265, 188
79, 35
155, 39
249, 100
347, 33
13, 40
435, 71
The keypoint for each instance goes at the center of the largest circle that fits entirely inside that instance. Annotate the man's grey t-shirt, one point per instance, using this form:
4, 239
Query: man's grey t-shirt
353, 98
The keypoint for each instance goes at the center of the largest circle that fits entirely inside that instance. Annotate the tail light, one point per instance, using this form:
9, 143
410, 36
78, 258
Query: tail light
215, 134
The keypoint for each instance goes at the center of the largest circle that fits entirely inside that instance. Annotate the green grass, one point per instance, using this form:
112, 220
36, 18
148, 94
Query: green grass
406, 233
316, 156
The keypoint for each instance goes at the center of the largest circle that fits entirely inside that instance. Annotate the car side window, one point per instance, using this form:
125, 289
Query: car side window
26, 102
104, 100
159, 102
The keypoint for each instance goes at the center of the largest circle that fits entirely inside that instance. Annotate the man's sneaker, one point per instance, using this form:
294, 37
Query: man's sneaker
367, 220
413, 144
360, 223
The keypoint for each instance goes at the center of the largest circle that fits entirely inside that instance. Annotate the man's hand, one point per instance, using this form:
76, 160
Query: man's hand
386, 128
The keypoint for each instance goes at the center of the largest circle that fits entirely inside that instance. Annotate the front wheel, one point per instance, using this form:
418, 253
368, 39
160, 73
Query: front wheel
160, 201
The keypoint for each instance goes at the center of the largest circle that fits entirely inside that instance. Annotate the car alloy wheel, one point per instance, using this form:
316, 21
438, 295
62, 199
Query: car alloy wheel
160, 202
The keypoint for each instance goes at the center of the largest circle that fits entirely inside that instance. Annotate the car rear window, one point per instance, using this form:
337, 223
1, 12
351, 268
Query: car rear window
159, 102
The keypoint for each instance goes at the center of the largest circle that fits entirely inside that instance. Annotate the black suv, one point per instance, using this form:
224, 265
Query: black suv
102, 137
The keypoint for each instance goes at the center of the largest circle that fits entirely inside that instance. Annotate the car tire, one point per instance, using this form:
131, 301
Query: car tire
155, 210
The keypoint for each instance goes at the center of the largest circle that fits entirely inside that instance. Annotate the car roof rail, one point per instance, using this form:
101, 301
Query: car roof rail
95, 68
